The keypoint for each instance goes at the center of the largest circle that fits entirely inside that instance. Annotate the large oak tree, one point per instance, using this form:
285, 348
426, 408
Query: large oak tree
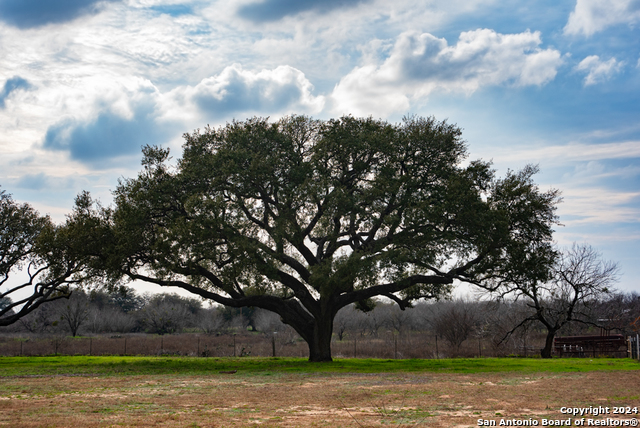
303, 217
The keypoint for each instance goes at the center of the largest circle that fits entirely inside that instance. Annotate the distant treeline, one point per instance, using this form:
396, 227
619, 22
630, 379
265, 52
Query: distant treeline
455, 322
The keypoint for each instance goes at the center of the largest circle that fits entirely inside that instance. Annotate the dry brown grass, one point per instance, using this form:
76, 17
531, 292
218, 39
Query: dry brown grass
294, 400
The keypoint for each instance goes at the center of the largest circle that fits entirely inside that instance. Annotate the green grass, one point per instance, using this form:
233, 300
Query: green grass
115, 365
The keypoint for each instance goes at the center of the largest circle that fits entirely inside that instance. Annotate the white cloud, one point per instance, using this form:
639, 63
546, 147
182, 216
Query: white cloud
421, 63
598, 71
235, 90
573, 152
598, 206
580, 173
81, 126
592, 16
326, 45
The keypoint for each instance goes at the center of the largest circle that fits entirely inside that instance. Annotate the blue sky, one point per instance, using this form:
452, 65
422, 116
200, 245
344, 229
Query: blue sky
85, 83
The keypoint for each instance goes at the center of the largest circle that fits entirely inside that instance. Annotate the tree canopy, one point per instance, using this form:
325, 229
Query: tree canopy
303, 217
52, 257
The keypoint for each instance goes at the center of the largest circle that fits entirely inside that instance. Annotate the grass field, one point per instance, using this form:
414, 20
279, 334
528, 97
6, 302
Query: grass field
287, 392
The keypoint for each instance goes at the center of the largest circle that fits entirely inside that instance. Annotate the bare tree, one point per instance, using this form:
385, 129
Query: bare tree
240, 318
619, 312
42, 320
456, 322
580, 279
398, 319
361, 323
344, 321
113, 309
377, 319
501, 317
169, 313
209, 320
74, 312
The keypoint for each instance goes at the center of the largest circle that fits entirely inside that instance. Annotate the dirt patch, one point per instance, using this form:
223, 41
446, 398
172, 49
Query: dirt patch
353, 400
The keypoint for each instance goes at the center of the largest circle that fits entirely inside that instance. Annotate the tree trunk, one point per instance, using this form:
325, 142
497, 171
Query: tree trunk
320, 342
548, 344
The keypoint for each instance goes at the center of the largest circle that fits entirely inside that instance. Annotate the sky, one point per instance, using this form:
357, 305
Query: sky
85, 83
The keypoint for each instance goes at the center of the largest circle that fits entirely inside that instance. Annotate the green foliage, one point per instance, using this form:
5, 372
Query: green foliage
122, 297
20, 227
366, 305
5, 302
49, 256
191, 305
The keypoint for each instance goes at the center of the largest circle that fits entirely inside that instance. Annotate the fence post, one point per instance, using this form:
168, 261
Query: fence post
125, 346
355, 349
437, 356
638, 346
273, 345
90, 345
198, 353
395, 347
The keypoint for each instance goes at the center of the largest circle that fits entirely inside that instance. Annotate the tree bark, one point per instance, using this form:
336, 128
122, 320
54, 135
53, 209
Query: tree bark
320, 341
548, 344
